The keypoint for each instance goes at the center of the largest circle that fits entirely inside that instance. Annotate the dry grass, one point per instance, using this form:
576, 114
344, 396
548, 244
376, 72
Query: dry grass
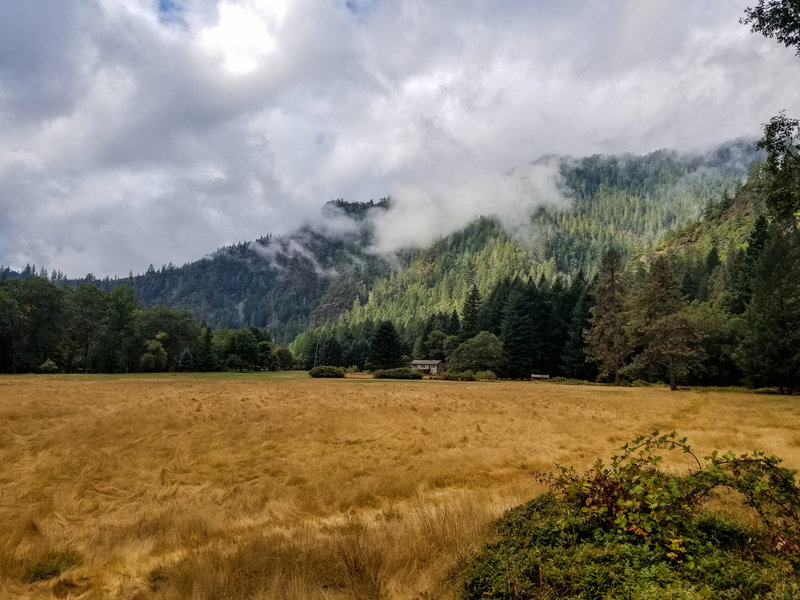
265, 486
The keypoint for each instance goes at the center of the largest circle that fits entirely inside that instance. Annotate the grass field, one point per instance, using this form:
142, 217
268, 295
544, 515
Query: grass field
280, 486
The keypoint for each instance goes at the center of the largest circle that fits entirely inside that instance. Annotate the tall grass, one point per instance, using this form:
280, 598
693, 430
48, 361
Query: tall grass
182, 486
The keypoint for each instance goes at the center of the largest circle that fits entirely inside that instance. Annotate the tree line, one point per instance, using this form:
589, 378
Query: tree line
716, 304
46, 327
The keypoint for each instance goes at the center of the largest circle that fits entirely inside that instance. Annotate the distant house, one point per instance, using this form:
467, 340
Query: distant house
539, 376
431, 367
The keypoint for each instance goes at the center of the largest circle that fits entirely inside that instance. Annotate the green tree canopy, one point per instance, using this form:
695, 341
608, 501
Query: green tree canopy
470, 314
606, 340
385, 349
484, 352
779, 19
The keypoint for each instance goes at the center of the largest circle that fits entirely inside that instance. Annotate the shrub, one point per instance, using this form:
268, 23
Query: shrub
48, 366
630, 529
399, 373
326, 371
458, 376
50, 565
485, 376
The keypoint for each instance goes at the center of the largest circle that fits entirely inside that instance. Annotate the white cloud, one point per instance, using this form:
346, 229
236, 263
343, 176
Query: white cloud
131, 135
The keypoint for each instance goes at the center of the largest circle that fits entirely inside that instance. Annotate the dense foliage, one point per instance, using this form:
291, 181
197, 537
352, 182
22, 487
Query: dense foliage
632, 529
47, 328
398, 373
715, 302
326, 371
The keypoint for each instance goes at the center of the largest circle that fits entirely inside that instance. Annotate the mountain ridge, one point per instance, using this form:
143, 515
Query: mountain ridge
291, 282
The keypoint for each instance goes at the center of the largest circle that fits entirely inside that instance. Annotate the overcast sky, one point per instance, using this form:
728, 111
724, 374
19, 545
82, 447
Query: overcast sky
145, 131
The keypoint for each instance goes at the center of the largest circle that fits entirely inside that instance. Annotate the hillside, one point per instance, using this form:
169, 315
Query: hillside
630, 202
291, 282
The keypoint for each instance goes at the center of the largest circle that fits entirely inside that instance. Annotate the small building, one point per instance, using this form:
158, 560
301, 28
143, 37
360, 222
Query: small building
431, 367
535, 376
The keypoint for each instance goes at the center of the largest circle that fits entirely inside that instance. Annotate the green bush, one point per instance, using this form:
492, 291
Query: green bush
458, 376
399, 373
50, 565
326, 371
631, 530
48, 366
485, 376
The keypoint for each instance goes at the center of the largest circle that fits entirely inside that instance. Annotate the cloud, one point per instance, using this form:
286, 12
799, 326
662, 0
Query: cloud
153, 131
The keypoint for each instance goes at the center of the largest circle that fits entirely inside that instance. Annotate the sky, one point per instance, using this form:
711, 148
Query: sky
154, 131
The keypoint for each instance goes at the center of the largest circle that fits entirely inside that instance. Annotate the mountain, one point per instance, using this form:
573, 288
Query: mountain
332, 270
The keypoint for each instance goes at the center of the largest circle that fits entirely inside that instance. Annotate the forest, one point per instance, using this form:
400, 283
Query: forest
672, 268
289, 283
714, 302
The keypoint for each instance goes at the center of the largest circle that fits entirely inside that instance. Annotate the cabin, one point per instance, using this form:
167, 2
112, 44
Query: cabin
430, 367
535, 376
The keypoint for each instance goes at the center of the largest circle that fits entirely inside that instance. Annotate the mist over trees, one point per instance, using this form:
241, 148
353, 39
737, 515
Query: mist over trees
662, 269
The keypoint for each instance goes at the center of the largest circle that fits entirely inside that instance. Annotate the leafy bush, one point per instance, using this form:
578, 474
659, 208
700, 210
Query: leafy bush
633, 530
50, 565
326, 371
458, 376
485, 376
48, 366
399, 373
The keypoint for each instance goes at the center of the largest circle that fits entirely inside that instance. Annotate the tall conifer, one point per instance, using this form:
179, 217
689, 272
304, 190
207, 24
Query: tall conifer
606, 341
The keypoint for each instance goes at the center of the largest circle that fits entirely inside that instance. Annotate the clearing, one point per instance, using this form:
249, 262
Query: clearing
282, 486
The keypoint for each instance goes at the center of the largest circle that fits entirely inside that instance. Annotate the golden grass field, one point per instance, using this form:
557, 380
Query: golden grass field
282, 486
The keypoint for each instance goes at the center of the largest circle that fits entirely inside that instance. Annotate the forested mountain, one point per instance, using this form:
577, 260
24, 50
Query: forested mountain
628, 202
715, 303
286, 284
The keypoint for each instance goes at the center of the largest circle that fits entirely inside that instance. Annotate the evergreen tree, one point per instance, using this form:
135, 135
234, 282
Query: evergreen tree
769, 353
553, 325
470, 315
492, 308
186, 362
454, 324
661, 330
330, 351
606, 341
574, 362
385, 349
518, 332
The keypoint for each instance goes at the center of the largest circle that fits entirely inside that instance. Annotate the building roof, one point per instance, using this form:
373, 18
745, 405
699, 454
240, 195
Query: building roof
426, 362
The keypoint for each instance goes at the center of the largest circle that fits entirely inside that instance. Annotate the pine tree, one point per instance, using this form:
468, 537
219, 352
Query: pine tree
330, 351
518, 333
470, 315
574, 362
660, 328
186, 362
492, 308
606, 341
769, 353
386, 349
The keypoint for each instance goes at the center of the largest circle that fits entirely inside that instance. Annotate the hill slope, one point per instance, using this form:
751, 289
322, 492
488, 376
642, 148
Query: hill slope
291, 282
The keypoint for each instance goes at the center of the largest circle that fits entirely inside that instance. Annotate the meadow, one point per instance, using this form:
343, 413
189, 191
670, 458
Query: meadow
279, 486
